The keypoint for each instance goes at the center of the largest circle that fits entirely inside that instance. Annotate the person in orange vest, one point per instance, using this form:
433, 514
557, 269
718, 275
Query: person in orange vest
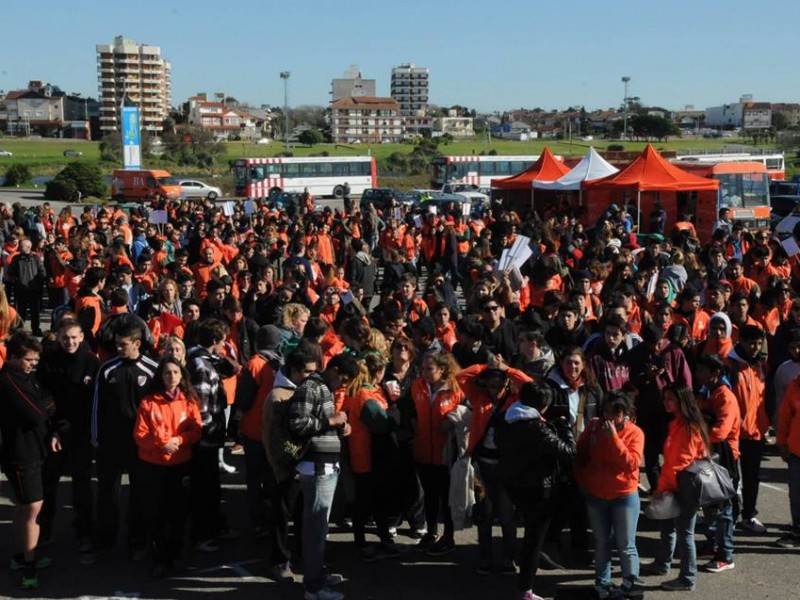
747, 373
89, 304
690, 314
740, 283
205, 270
56, 259
788, 441
413, 307
738, 311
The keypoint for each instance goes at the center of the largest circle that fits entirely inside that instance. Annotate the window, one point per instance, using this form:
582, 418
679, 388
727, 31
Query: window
274, 169
324, 169
488, 168
291, 170
502, 168
308, 170
341, 169
256, 172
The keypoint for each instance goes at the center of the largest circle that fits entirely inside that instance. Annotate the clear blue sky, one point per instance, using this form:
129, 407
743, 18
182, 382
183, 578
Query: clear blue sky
486, 55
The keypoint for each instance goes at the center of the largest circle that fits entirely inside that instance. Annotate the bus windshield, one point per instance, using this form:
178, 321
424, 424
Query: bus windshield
743, 190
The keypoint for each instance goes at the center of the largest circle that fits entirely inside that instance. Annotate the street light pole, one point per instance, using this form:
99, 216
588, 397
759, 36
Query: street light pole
625, 81
285, 76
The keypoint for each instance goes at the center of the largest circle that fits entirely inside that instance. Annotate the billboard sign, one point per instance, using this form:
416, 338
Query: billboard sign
131, 138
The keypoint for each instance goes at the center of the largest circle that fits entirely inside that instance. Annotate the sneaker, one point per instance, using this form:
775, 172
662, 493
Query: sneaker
30, 579
529, 595
677, 585
654, 569
393, 531
427, 541
509, 569
323, 594
237, 449
790, 540
753, 525
607, 592
484, 568
282, 572
418, 534
207, 546
718, 566
18, 562
226, 468
441, 547
549, 563
333, 579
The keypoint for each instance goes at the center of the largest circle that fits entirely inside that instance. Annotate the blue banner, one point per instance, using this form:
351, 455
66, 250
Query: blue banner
131, 138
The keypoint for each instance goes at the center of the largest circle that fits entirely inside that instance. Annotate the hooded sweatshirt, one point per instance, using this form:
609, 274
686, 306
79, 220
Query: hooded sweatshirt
749, 384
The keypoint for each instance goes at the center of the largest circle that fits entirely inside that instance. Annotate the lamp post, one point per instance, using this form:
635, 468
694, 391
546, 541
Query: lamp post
625, 81
285, 76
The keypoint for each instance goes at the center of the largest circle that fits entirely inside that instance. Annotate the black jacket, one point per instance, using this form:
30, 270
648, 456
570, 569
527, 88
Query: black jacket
24, 418
27, 271
69, 379
532, 452
363, 271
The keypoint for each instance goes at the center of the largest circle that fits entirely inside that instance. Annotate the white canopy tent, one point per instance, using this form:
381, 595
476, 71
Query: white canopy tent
592, 166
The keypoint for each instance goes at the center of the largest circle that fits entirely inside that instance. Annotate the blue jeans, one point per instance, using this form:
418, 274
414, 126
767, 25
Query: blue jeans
614, 519
679, 530
720, 529
318, 491
794, 492
496, 505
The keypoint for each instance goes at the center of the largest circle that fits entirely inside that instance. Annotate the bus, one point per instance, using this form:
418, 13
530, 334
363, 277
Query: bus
743, 188
775, 164
477, 170
322, 175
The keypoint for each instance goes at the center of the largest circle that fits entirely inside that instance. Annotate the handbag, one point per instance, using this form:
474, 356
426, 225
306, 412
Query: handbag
704, 482
663, 508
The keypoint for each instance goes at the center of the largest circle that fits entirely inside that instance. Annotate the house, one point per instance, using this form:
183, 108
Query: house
221, 120
456, 127
43, 109
366, 119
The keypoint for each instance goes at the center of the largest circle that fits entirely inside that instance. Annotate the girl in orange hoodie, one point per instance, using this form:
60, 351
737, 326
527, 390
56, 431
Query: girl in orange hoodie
167, 425
686, 442
607, 469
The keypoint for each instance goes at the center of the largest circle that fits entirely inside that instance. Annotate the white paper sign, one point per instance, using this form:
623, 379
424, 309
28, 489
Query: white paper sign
227, 209
398, 213
433, 210
418, 221
249, 208
791, 247
466, 208
158, 217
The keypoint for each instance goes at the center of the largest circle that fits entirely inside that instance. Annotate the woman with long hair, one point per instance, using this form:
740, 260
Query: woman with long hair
610, 453
686, 442
167, 425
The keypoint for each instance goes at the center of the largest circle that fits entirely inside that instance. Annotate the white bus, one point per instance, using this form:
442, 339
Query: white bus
775, 164
322, 175
477, 170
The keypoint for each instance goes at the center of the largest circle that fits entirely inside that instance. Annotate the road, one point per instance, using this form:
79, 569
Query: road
762, 570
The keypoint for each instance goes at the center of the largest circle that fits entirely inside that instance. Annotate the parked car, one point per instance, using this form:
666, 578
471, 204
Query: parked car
6, 153
382, 197
197, 189
72, 153
787, 225
783, 205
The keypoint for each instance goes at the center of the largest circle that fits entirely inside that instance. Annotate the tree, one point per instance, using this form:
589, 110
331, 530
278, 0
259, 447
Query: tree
17, 174
310, 137
652, 127
111, 146
83, 177
780, 121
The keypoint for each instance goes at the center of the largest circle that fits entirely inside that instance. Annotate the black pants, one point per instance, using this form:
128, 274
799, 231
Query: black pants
76, 460
750, 461
435, 480
29, 306
369, 502
570, 509
537, 523
206, 494
654, 437
259, 481
165, 506
278, 515
112, 462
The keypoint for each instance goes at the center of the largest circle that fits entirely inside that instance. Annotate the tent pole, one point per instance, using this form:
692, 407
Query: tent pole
638, 210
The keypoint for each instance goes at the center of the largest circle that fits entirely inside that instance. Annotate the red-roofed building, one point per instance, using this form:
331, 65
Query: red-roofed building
366, 119
222, 121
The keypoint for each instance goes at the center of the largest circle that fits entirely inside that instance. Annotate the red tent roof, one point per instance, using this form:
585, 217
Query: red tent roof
547, 168
651, 173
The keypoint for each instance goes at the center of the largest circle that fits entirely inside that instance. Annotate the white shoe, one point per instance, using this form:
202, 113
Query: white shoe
323, 594
754, 525
226, 468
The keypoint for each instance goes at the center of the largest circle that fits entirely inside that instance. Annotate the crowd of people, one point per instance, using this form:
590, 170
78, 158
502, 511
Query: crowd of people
558, 394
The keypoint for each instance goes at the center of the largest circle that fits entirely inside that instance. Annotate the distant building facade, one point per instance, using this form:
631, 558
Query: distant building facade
352, 85
222, 121
366, 119
44, 109
744, 114
140, 74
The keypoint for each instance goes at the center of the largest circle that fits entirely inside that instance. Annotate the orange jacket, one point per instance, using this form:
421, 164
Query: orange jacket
699, 326
429, 439
447, 335
681, 448
749, 383
359, 443
159, 420
203, 273
91, 301
727, 420
608, 465
789, 419
264, 377
58, 277
555, 283
482, 405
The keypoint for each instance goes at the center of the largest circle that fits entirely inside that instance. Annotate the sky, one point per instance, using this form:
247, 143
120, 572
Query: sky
490, 56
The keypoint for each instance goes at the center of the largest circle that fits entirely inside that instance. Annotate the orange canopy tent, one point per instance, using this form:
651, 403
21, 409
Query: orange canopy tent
547, 168
651, 173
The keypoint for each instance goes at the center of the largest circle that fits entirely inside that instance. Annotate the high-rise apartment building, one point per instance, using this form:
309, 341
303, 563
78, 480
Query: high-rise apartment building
140, 74
410, 89
352, 85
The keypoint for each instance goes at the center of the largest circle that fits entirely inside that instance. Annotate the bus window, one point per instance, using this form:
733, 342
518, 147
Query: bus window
257, 173
518, 166
360, 168
439, 174
487, 168
291, 170
325, 169
730, 190
755, 189
240, 175
341, 169
274, 169
502, 168
308, 169
775, 164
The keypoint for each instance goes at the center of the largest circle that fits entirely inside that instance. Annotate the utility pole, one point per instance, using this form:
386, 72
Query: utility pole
285, 76
625, 81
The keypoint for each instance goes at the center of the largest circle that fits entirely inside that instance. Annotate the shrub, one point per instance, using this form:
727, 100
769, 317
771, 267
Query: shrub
77, 176
17, 174
60, 190
615, 148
